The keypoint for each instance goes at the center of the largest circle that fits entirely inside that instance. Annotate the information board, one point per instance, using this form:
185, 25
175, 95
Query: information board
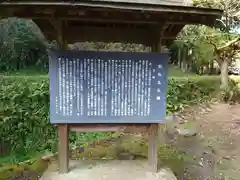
107, 87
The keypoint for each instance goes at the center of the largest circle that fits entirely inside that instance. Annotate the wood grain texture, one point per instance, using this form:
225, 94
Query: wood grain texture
63, 155
153, 147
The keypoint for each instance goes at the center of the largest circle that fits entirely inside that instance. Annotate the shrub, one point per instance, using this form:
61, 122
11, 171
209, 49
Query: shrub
232, 93
183, 92
24, 109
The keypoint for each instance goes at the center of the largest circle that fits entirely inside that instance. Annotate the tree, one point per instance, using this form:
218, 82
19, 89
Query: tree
226, 47
226, 43
201, 56
21, 44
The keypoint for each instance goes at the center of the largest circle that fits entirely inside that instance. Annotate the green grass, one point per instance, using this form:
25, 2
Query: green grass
18, 158
176, 72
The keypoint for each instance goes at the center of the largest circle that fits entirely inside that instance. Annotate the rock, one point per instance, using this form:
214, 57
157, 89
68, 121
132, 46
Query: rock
187, 132
173, 118
181, 122
48, 156
227, 157
205, 152
201, 163
202, 137
171, 131
209, 110
26, 176
165, 174
212, 149
125, 156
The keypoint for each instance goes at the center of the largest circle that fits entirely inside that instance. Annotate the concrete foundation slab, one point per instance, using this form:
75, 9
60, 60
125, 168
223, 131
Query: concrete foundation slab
108, 170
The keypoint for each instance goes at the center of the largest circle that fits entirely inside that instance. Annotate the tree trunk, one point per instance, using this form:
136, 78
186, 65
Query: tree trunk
224, 74
179, 57
211, 68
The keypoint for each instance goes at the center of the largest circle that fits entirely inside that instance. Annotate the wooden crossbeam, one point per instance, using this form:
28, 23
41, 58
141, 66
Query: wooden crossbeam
105, 16
109, 20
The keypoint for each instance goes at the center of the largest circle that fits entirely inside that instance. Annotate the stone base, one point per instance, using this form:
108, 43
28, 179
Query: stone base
108, 170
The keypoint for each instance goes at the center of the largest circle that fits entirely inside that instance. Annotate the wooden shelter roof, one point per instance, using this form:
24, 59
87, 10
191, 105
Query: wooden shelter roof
133, 21
159, 2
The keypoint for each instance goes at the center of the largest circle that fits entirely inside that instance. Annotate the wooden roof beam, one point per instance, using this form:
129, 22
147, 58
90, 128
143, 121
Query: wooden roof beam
100, 20
116, 5
105, 34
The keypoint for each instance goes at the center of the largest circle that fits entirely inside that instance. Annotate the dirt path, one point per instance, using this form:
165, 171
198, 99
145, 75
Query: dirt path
224, 124
216, 149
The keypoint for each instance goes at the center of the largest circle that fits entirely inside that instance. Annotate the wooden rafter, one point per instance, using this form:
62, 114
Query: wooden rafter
107, 17
108, 5
133, 17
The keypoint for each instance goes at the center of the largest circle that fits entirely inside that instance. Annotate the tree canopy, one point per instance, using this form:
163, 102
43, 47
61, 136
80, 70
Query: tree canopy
219, 44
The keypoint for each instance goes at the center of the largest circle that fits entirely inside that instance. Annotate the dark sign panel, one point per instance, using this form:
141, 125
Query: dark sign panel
107, 87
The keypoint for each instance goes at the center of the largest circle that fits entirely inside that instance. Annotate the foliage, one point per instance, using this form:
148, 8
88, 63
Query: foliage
101, 46
194, 50
232, 94
183, 92
24, 110
220, 43
24, 107
231, 15
21, 44
22, 171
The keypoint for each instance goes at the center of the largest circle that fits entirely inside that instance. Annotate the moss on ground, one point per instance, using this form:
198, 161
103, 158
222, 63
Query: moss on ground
33, 168
132, 146
136, 147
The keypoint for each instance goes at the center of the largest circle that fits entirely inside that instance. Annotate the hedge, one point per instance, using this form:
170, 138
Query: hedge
24, 109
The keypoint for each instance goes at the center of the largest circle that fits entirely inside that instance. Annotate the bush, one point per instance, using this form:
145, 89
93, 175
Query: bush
24, 109
232, 93
184, 92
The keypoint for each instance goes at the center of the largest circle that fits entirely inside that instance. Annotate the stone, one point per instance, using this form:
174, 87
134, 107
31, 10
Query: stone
187, 132
165, 174
125, 156
109, 170
185, 121
47, 156
227, 157
201, 163
209, 110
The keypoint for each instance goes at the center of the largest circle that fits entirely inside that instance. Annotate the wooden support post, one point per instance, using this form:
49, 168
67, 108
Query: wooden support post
63, 129
154, 130
153, 147
63, 149
159, 48
153, 138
